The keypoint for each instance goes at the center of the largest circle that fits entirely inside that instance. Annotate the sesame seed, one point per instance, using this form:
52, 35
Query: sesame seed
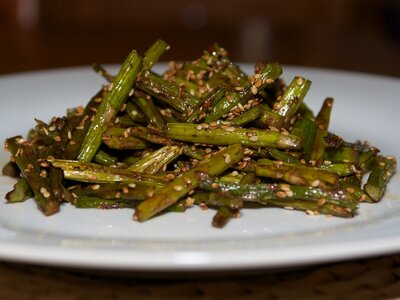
187, 180
177, 188
125, 190
95, 187
310, 212
46, 132
52, 128
203, 206
321, 201
117, 195
189, 201
170, 176
269, 80
69, 134
254, 90
132, 185
253, 138
215, 185
230, 129
289, 193
281, 194
350, 190
57, 138
227, 158
44, 192
288, 207
315, 183
235, 173
299, 80
199, 127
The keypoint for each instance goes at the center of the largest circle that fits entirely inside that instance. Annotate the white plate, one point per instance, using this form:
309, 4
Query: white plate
366, 107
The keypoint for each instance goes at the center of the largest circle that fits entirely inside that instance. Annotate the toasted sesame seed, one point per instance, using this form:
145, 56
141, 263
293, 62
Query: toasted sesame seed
57, 138
350, 190
281, 194
235, 173
289, 193
227, 158
117, 195
321, 201
46, 132
253, 138
254, 90
315, 183
230, 129
187, 180
288, 207
203, 206
69, 134
52, 128
44, 192
189, 201
199, 127
299, 80
215, 185
125, 190
269, 80
170, 176
132, 185
177, 188
95, 187
310, 212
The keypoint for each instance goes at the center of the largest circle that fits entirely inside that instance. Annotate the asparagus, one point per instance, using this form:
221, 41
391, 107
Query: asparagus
106, 113
151, 112
121, 139
322, 122
379, 177
154, 162
296, 174
225, 135
180, 186
267, 75
222, 217
136, 128
20, 192
290, 101
95, 173
24, 156
124, 191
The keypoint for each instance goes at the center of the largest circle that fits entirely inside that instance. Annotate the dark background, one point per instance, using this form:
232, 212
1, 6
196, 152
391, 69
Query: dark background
359, 35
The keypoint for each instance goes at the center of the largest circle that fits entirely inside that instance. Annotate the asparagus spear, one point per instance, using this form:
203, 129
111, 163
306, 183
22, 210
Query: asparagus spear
290, 101
222, 217
155, 161
20, 192
95, 173
225, 135
266, 76
379, 177
132, 191
24, 156
109, 107
322, 122
296, 174
180, 186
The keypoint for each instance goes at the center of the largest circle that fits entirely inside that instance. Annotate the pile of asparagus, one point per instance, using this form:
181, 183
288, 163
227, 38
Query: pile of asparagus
203, 133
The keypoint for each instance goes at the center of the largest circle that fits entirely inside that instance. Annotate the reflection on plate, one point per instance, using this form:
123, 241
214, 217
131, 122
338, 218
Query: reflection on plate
366, 108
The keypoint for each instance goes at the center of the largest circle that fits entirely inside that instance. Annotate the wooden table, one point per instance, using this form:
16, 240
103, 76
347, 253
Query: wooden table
374, 278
